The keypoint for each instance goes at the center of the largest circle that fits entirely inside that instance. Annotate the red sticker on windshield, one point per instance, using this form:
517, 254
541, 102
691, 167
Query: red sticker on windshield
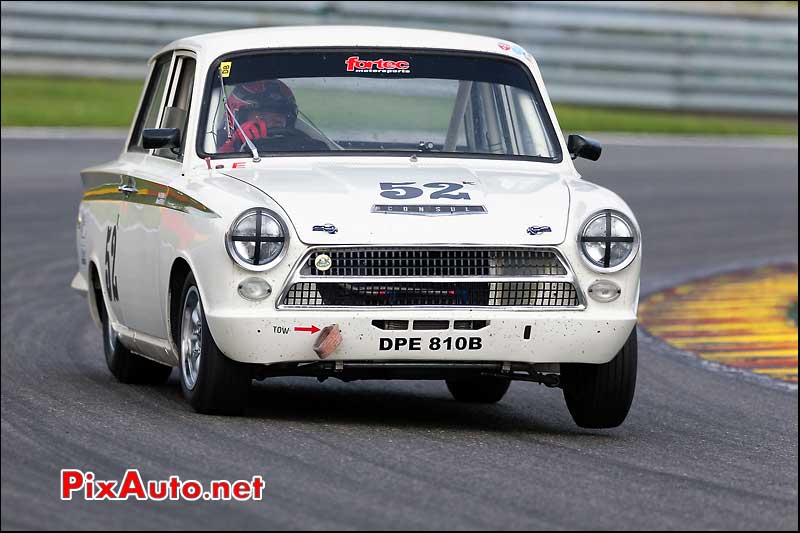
383, 66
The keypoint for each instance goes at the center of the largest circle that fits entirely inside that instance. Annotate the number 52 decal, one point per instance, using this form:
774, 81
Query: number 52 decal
110, 263
406, 191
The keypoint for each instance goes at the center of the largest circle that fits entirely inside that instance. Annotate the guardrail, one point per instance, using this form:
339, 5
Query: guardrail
678, 56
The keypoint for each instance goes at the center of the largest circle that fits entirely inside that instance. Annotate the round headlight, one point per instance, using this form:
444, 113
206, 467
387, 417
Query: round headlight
608, 241
257, 239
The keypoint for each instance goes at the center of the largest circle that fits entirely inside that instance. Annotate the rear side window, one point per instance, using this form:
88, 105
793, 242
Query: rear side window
151, 105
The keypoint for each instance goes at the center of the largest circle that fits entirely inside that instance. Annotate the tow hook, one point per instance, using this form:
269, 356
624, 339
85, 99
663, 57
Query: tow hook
328, 341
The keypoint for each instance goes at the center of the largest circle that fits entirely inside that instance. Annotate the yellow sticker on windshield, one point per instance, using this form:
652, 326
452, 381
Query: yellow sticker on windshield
225, 68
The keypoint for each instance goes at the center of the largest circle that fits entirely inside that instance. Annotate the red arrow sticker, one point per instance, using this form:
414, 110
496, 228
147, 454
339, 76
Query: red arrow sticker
312, 329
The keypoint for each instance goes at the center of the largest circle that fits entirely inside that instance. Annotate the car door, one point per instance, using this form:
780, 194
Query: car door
110, 183
145, 189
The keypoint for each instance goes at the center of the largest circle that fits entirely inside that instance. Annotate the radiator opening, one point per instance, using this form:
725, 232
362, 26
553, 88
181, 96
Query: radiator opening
391, 325
472, 325
422, 325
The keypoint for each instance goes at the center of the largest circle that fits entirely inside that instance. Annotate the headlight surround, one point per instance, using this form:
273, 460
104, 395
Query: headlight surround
608, 241
257, 239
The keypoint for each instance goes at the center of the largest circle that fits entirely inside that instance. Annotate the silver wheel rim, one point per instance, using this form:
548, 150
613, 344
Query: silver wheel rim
112, 335
191, 337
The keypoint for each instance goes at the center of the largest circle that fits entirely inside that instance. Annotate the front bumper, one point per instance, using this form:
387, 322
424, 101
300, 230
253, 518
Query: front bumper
588, 336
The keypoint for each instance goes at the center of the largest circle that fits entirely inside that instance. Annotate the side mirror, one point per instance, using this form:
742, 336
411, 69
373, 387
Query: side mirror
161, 138
586, 147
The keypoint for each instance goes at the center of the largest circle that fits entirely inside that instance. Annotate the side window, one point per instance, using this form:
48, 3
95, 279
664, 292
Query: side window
176, 112
151, 104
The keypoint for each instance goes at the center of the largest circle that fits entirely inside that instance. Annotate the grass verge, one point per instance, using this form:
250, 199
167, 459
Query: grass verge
78, 102
33, 101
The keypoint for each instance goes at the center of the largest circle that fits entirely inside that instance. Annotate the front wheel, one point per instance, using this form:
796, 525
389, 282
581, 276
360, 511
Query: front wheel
483, 389
600, 396
211, 382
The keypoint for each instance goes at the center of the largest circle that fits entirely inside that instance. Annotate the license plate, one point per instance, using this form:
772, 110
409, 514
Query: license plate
434, 344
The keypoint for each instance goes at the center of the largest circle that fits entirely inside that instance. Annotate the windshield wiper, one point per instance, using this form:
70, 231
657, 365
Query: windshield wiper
250, 144
426, 146
319, 131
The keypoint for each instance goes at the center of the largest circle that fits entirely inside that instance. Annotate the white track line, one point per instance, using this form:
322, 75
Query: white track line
64, 133
696, 141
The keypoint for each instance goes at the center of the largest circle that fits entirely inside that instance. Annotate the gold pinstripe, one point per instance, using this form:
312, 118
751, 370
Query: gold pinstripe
150, 193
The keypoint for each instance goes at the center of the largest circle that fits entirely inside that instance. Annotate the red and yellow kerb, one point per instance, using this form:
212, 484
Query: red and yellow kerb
745, 319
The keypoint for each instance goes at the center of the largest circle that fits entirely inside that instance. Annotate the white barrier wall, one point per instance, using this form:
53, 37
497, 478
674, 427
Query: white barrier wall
704, 56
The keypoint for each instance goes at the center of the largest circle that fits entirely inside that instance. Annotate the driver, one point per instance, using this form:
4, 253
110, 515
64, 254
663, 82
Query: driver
259, 106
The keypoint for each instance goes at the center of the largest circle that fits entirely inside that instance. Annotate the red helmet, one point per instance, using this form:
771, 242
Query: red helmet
266, 96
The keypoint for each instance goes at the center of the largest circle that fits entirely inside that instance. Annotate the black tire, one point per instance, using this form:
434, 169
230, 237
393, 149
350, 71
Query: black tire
480, 389
600, 396
221, 385
125, 365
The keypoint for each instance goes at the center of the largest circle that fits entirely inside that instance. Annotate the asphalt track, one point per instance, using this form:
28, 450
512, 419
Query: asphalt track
700, 449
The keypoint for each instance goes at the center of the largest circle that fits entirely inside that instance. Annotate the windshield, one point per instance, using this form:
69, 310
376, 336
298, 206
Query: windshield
374, 101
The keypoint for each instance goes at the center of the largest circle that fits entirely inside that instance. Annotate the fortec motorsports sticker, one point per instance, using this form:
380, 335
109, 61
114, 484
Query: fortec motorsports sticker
382, 66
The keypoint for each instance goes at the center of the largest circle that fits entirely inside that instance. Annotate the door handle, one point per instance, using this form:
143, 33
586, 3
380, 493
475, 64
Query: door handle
127, 189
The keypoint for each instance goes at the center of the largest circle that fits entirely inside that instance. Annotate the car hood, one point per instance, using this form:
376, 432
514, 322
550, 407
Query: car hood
346, 196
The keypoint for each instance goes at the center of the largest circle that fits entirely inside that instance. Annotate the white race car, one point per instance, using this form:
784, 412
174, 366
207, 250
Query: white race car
358, 203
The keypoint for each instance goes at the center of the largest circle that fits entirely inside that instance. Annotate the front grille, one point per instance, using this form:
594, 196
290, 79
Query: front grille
472, 294
435, 262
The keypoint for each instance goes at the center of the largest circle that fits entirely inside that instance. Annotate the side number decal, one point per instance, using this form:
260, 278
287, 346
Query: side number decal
111, 262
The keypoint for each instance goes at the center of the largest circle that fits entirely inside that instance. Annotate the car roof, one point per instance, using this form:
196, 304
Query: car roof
213, 45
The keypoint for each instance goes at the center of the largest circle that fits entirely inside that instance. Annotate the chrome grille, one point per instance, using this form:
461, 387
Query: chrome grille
435, 262
472, 294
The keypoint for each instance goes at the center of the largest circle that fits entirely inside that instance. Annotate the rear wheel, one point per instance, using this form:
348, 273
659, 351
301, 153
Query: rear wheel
600, 396
481, 389
125, 365
211, 382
